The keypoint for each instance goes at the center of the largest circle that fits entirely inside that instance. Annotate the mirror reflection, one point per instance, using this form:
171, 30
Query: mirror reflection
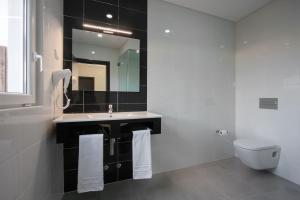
104, 62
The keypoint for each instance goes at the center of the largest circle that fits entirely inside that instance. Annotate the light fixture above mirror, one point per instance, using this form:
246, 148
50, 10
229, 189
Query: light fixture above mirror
107, 29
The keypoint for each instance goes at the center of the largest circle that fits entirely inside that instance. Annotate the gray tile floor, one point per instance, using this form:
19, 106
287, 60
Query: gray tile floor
221, 180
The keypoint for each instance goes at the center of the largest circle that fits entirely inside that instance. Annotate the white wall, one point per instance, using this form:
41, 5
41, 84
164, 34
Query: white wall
190, 82
30, 160
130, 44
268, 65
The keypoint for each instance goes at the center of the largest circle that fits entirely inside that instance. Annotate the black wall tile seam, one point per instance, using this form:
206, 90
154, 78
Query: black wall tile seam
103, 2
73, 17
142, 8
134, 10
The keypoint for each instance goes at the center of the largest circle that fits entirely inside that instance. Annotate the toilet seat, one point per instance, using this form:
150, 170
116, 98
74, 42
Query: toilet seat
254, 145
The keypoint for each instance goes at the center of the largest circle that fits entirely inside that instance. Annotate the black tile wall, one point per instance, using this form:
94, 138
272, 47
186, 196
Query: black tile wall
77, 97
127, 14
93, 97
97, 11
137, 5
132, 107
132, 19
142, 36
143, 76
143, 57
111, 2
70, 179
73, 8
134, 97
67, 49
125, 171
71, 23
98, 108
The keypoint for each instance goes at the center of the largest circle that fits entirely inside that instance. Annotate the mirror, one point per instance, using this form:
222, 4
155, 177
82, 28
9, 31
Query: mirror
105, 62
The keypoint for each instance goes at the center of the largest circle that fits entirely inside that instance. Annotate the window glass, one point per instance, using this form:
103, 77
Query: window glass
12, 46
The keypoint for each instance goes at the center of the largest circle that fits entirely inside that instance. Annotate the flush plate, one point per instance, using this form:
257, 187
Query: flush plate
268, 103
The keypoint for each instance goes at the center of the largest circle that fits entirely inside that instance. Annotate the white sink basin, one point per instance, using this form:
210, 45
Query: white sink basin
84, 117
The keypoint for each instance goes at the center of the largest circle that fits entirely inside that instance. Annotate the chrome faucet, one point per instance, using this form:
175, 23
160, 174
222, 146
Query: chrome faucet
110, 110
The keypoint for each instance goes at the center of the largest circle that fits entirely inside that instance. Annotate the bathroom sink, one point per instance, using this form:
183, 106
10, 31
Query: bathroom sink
121, 115
84, 117
72, 117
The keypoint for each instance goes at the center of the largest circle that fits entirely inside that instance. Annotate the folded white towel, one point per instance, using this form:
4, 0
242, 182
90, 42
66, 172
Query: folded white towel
141, 155
90, 163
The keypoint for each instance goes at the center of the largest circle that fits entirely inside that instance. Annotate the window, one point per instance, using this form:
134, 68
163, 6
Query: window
16, 39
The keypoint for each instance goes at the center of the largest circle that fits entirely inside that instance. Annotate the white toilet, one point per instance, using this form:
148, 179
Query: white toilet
256, 154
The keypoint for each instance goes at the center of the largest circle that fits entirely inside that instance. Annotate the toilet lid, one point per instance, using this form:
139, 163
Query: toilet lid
254, 145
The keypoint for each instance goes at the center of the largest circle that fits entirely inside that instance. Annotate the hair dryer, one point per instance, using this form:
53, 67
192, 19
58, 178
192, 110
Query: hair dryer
66, 76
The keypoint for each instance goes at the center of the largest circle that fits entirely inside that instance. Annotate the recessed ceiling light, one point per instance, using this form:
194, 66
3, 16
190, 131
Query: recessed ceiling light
100, 35
167, 31
93, 52
109, 16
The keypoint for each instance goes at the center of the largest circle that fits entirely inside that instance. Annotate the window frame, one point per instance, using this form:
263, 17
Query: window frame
28, 98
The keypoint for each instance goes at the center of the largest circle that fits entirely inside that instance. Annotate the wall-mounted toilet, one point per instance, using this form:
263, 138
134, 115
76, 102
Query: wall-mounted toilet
256, 154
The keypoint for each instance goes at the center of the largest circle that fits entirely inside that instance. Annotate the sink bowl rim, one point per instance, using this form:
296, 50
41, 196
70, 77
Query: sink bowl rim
86, 117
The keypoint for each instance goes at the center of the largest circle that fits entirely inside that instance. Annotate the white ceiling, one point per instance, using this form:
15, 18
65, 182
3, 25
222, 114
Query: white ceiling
233, 10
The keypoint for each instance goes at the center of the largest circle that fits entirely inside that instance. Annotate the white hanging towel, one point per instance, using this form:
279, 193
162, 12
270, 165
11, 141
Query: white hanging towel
141, 154
90, 163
